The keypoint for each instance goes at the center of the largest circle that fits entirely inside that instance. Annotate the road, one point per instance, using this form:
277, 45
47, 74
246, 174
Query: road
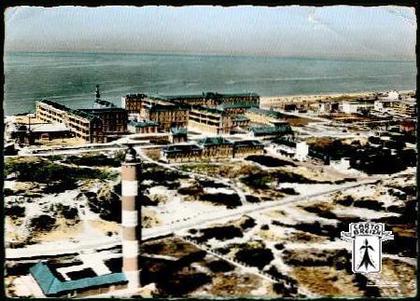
226, 182
200, 221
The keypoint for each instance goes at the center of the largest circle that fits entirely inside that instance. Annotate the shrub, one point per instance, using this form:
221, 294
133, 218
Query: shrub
8, 192
220, 233
43, 223
70, 212
106, 203
248, 222
265, 227
229, 200
179, 285
290, 191
279, 246
252, 199
369, 204
257, 257
258, 180
57, 177
269, 161
93, 160
218, 266
347, 201
191, 190
15, 211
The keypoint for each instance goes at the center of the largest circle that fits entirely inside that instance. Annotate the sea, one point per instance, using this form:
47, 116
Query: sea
70, 78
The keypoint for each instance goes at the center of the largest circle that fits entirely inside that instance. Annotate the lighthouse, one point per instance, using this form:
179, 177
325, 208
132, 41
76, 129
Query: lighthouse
131, 217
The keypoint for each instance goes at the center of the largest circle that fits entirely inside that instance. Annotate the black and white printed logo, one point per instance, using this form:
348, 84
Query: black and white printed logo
367, 241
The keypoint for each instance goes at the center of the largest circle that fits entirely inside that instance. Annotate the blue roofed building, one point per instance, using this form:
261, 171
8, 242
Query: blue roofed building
53, 284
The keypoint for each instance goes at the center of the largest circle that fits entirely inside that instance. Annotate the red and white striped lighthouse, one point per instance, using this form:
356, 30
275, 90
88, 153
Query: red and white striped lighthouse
131, 217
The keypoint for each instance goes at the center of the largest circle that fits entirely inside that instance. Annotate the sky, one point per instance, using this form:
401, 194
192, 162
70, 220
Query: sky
387, 32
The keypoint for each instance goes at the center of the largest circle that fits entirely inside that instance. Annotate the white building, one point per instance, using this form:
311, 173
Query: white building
353, 107
302, 151
387, 102
298, 150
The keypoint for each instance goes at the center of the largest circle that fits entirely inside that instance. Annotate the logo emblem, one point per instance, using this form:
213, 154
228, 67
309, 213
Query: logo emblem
367, 241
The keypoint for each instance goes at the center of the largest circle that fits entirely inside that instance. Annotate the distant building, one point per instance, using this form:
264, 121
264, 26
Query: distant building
166, 114
133, 103
214, 99
292, 149
83, 125
179, 135
211, 148
210, 120
246, 148
407, 107
143, 126
328, 107
113, 119
216, 148
93, 125
302, 151
257, 115
385, 104
181, 153
240, 121
408, 126
209, 112
280, 129
355, 107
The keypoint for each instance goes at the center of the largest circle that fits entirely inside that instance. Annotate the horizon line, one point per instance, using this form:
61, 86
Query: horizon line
111, 52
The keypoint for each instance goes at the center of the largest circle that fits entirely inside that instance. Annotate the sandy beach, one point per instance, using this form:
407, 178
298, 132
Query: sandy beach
271, 100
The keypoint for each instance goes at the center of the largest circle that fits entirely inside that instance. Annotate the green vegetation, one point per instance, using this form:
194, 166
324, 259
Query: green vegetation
258, 180
14, 211
225, 171
43, 223
218, 266
95, 160
229, 200
258, 257
219, 233
269, 161
57, 177
106, 203
263, 179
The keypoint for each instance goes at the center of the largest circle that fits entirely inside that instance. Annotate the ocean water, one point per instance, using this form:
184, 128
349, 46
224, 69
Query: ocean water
70, 78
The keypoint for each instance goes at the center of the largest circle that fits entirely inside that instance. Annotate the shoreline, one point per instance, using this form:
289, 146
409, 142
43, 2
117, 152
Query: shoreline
335, 94
295, 98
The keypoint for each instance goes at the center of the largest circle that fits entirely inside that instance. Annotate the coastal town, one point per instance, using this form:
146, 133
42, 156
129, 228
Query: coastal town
209, 195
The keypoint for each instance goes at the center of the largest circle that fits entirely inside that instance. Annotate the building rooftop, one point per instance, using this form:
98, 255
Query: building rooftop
237, 105
209, 141
100, 103
51, 285
143, 123
49, 127
81, 113
359, 102
102, 110
271, 130
240, 118
178, 131
215, 111
282, 141
243, 143
136, 96
206, 95
181, 148
268, 113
